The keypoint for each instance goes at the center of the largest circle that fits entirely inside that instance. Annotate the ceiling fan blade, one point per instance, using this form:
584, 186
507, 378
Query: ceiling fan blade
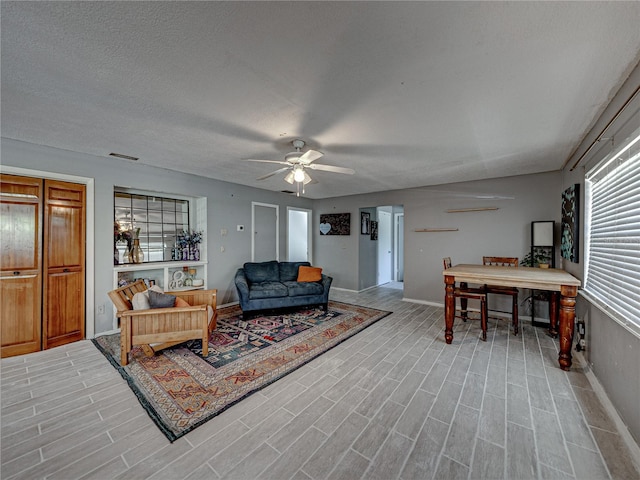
273, 173
266, 161
331, 168
309, 156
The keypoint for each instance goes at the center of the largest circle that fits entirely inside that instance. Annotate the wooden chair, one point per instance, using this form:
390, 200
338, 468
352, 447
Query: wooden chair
466, 293
498, 290
158, 328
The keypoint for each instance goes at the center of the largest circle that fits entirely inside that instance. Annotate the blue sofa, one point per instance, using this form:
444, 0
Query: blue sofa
273, 285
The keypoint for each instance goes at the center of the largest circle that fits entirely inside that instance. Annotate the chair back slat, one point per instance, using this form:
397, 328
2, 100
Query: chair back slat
122, 297
446, 261
500, 261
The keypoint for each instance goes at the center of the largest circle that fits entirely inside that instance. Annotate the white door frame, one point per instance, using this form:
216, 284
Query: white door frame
309, 231
396, 245
253, 227
89, 271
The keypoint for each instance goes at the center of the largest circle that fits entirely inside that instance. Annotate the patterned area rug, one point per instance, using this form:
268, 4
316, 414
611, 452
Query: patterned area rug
180, 390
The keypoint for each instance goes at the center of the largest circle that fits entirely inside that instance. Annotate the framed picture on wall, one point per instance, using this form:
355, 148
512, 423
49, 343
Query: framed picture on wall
570, 228
335, 224
365, 219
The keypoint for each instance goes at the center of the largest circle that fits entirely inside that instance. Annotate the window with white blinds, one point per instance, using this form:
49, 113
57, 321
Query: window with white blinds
612, 275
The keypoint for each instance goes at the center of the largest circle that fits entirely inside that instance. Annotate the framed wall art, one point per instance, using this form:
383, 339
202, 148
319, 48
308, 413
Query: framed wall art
335, 224
570, 223
365, 219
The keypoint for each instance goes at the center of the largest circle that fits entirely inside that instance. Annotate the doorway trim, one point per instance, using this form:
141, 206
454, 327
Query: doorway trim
396, 244
89, 273
253, 227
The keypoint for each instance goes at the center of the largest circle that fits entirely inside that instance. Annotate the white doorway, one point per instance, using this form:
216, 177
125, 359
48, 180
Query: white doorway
299, 235
265, 238
384, 246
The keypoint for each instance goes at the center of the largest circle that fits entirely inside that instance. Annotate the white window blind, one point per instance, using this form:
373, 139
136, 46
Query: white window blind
612, 274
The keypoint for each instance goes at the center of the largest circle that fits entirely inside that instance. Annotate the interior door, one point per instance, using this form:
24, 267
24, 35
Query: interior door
384, 247
20, 264
64, 263
264, 222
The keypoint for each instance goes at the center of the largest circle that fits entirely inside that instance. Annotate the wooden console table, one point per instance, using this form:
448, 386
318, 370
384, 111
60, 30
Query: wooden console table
552, 279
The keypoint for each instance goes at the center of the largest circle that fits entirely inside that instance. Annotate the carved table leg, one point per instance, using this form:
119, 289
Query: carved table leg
449, 308
567, 320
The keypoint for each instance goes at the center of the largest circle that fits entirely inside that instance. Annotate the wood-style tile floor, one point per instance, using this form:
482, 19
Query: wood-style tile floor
393, 402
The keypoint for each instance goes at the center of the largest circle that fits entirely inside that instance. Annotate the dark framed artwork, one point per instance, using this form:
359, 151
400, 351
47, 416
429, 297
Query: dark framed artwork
365, 219
335, 224
570, 239
374, 230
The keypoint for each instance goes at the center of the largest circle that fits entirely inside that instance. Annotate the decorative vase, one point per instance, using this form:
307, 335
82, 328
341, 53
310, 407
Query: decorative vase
123, 252
196, 252
136, 255
185, 253
116, 256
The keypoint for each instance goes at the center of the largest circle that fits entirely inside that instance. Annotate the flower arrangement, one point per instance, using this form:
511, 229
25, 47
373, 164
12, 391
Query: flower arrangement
189, 243
120, 235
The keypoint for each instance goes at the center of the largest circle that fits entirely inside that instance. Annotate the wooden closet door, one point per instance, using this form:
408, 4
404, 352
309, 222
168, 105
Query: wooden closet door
63, 263
20, 264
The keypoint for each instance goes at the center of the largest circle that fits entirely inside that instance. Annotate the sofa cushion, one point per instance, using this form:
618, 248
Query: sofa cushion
304, 288
289, 270
262, 272
309, 274
268, 290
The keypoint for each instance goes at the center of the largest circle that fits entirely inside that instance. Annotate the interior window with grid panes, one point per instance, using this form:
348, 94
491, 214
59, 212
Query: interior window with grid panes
155, 221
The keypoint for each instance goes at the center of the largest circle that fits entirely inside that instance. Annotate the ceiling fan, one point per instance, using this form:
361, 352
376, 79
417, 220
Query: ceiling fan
297, 162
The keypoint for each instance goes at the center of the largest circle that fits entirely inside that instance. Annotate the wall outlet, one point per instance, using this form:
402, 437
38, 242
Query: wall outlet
100, 309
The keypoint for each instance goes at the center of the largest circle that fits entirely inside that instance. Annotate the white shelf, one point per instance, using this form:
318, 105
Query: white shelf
133, 267
160, 272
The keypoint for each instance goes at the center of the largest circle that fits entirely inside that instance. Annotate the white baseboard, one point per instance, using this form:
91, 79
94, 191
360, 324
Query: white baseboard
423, 302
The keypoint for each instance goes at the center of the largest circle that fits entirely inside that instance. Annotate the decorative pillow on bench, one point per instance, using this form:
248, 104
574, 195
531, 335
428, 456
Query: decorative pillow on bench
309, 274
161, 300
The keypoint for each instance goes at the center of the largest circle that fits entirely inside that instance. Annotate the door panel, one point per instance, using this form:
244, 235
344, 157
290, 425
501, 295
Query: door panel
20, 265
65, 321
64, 263
265, 233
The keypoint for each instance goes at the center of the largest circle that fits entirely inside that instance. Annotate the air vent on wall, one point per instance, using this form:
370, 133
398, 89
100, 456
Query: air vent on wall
125, 157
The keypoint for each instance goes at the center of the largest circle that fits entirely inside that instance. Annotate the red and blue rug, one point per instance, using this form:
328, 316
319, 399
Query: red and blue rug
180, 390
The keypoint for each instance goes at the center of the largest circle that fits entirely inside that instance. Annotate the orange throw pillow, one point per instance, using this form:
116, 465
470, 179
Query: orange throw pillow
309, 274
180, 302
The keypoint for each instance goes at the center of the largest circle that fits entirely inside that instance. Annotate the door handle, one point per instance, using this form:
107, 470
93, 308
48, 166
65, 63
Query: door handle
16, 273
65, 270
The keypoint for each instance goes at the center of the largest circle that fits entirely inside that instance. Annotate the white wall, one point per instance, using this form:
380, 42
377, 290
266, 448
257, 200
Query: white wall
503, 232
613, 352
227, 206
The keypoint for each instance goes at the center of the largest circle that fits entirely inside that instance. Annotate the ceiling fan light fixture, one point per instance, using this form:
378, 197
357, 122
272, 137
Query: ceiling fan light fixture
289, 177
299, 175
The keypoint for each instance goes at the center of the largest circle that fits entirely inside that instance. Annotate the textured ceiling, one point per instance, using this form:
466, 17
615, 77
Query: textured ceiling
408, 94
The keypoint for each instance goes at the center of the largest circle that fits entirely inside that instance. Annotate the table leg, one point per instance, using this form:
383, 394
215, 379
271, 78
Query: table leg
553, 314
449, 308
567, 320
